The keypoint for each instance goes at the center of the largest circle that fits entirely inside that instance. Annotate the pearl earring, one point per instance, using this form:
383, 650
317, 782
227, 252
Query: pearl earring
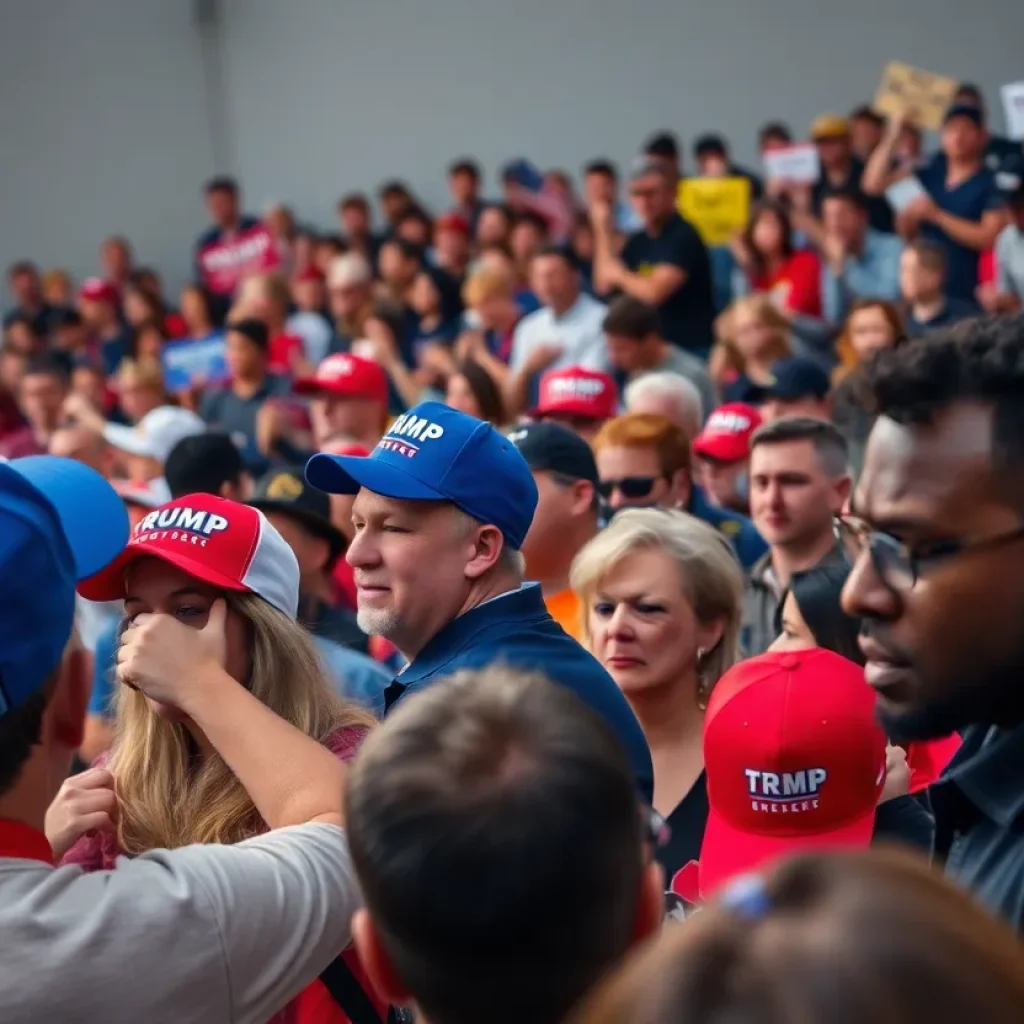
701, 652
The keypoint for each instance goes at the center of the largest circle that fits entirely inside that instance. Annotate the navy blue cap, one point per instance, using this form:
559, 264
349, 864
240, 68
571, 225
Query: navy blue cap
435, 453
60, 522
794, 378
967, 110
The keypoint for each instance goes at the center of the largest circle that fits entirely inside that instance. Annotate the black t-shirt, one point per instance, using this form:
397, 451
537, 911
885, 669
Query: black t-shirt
880, 215
688, 314
686, 835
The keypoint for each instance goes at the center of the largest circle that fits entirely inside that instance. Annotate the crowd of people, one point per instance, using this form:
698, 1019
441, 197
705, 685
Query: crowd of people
529, 611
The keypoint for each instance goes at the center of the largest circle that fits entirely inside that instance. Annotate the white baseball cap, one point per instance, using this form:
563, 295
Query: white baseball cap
156, 433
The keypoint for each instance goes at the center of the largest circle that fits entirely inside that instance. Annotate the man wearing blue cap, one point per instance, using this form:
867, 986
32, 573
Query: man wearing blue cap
205, 932
442, 507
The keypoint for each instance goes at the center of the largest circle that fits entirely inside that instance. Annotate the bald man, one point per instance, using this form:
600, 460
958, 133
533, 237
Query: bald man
84, 445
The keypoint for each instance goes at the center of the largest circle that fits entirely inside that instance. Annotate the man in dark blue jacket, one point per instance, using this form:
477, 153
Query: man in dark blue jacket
442, 506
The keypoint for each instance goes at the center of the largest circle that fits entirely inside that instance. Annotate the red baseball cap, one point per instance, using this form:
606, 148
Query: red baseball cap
309, 273
452, 222
576, 391
794, 760
95, 289
347, 376
726, 435
220, 542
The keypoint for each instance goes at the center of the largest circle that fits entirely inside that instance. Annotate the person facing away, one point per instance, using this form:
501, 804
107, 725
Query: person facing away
505, 860
442, 508
211, 932
935, 534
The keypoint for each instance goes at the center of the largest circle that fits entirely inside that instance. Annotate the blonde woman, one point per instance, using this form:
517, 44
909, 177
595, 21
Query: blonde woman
752, 336
660, 596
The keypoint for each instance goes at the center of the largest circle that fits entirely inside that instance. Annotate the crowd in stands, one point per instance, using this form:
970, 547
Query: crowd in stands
528, 610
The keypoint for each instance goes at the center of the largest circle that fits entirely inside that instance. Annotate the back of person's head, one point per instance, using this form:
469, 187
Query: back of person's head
640, 430
844, 938
664, 393
631, 318
486, 283
930, 255
254, 330
495, 829
207, 463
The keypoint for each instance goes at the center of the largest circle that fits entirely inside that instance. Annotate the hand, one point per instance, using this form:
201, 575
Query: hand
897, 774
541, 358
923, 208
84, 803
270, 425
469, 345
740, 250
385, 348
170, 662
436, 360
602, 216
988, 297
834, 251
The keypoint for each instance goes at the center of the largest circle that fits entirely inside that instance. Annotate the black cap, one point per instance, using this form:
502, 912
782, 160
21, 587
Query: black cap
286, 491
550, 446
795, 378
968, 110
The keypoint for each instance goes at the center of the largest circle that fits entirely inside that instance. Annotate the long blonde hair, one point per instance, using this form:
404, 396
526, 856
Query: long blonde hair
168, 796
708, 574
726, 358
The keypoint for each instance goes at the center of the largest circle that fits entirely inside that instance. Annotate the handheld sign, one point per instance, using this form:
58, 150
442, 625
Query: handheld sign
921, 96
189, 362
716, 207
798, 165
904, 192
1013, 105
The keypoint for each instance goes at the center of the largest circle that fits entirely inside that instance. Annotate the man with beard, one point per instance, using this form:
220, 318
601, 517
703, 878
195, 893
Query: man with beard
937, 532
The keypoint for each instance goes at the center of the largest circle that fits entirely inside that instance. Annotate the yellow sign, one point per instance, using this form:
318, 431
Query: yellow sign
716, 207
921, 96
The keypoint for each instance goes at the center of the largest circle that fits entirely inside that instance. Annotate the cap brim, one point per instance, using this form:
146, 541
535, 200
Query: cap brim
721, 449
727, 852
348, 474
108, 585
92, 514
127, 439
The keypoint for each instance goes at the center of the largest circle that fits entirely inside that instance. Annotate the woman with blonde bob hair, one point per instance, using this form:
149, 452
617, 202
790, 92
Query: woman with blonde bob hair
752, 336
660, 596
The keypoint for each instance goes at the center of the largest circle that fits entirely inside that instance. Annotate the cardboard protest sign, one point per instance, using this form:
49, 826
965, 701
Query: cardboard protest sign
919, 95
716, 207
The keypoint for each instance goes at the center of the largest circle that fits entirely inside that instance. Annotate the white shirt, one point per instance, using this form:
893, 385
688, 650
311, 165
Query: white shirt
578, 331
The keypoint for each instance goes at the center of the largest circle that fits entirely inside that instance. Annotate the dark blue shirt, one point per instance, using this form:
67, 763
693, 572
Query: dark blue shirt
969, 200
953, 311
516, 630
748, 544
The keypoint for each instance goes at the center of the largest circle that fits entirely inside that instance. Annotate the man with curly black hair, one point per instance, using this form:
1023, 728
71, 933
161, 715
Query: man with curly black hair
937, 533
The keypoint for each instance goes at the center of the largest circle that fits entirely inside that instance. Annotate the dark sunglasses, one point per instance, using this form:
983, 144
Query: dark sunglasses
628, 486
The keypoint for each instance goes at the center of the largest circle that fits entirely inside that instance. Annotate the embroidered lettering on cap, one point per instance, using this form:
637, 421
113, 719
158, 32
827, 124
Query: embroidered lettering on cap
185, 519
728, 422
418, 427
577, 386
785, 792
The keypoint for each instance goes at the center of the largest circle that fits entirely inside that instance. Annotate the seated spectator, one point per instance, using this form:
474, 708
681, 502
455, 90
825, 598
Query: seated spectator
859, 262
528, 235
29, 303
16, 354
267, 298
1006, 294
799, 483
770, 262
665, 264
637, 348
117, 262
489, 294
414, 227
582, 400
667, 394
567, 512
233, 408
796, 943
471, 389
645, 461
752, 337
435, 299
660, 593
961, 211
866, 131
464, 181
207, 463
798, 387
566, 331
308, 320
452, 247
279, 220
58, 291
499, 258
147, 343
923, 285
356, 222
493, 227
773, 135
581, 244
198, 314
601, 187
349, 299
563, 824
395, 201
98, 303
69, 335
42, 392
711, 155
139, 387
663, 150
141, 307
722, 450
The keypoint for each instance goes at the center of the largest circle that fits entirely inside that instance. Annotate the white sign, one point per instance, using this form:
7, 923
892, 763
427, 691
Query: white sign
904, 192
798, 164
1013, 104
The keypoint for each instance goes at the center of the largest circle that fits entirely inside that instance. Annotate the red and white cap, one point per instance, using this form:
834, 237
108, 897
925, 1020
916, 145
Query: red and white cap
221, 542
347, 376
96, 289
577, 391
795, 761
727, 433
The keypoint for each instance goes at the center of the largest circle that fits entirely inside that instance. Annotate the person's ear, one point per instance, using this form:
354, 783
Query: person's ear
709, 634
582, 497
650, 906
376, 962
842, 489
681, 486
487, 545
70, 700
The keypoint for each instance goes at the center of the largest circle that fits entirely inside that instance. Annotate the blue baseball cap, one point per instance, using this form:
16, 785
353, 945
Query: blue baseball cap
792, 379
60, 522
435, 453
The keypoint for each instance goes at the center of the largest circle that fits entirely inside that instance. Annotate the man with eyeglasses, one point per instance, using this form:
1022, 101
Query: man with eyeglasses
644, 461
936, 532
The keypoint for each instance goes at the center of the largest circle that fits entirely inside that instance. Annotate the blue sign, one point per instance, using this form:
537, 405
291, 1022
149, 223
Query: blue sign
194, 361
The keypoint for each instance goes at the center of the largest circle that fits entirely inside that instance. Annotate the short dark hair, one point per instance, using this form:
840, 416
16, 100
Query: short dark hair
465, 165
602, 166
968, 92
50, 364
847, 193
829, 444
354, 199
23, 320
67, 318
20, 267
866, 113
20, 730
663, 144
774, 130
817, 594
394, 188
203, 464
630, 318
222, 183
532, 218
930, 253
408, 249
979, 360
563, 252
710, 145
254, 330
494, 821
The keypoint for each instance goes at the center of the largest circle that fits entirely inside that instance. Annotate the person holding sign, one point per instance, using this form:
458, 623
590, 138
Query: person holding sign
957, 204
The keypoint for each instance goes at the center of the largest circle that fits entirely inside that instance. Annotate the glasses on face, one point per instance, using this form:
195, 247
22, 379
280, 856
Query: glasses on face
628, 486
901, 565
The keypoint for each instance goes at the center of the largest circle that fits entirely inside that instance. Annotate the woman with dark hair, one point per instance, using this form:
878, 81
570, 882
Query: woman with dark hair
471, 389
770, 261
